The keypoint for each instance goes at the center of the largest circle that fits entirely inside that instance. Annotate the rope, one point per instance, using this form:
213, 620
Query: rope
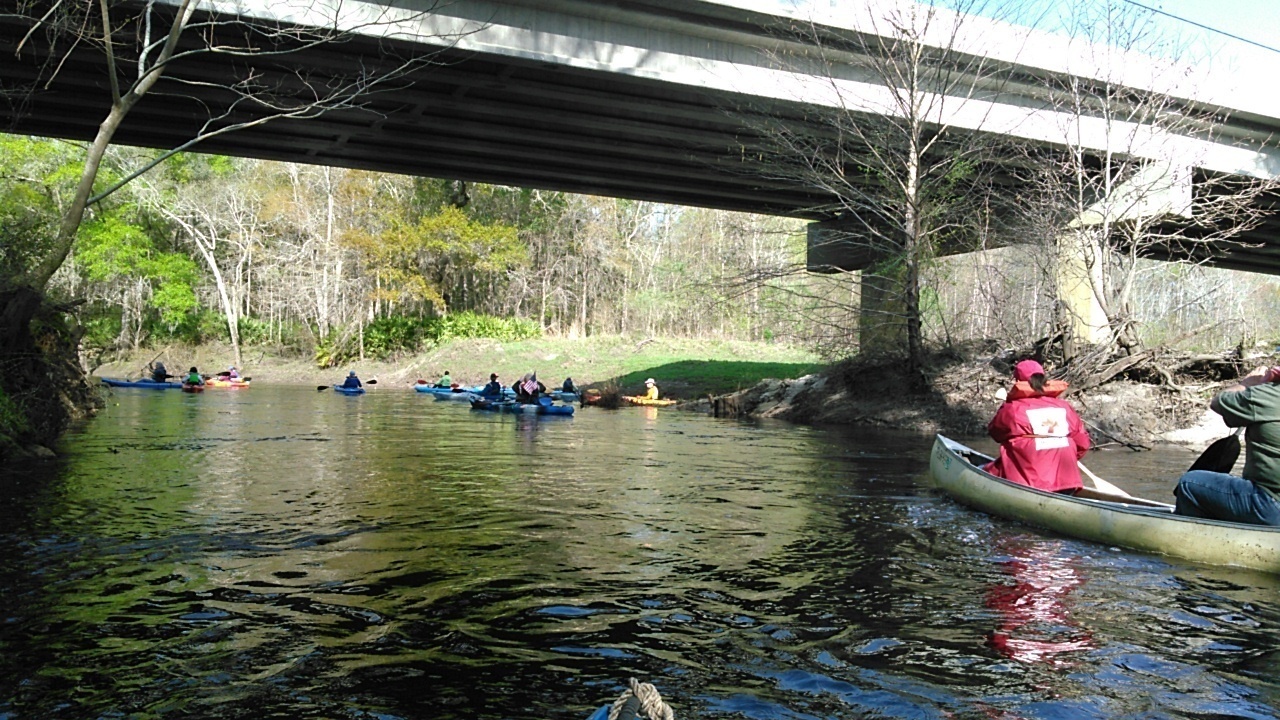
651, 704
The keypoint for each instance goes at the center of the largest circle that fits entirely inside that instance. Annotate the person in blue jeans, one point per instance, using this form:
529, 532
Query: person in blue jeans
1254, 404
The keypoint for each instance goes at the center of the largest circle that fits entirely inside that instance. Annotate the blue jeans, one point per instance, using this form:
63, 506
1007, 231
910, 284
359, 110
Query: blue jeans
1218, 496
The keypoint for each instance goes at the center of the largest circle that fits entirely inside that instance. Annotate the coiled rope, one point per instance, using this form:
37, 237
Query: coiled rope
640, 699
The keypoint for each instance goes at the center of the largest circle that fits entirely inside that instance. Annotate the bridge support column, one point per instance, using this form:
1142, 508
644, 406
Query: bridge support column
1079, 275
1158, 188
841, 246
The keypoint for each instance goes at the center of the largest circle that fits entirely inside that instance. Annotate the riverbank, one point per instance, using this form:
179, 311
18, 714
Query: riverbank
964, 393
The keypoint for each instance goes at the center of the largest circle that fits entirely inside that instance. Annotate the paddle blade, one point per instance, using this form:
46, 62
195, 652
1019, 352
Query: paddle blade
372, 382
322, 387
1220, 456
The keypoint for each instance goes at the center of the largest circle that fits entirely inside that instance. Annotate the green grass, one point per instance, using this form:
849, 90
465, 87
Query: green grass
684, 369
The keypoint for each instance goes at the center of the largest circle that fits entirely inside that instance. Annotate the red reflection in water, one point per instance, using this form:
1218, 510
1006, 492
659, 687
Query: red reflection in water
1035, 620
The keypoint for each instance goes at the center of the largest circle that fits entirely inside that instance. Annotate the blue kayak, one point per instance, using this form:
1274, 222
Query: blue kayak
540, 409
143, 383
491, 405
348, 391
432, 389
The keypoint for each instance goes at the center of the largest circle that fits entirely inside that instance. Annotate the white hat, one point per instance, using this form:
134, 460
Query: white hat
649, 381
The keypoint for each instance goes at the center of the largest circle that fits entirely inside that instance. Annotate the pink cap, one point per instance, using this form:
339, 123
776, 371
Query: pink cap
1025, 369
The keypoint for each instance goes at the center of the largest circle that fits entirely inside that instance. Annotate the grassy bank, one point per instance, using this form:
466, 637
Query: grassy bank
682, 368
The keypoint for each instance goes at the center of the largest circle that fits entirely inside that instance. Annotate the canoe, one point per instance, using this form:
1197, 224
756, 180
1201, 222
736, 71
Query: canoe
1112, 519
144, 383
641, 400
346, 390
192, 388
220, 382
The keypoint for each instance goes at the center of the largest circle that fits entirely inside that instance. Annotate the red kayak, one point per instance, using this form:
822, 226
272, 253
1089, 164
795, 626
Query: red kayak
192, 388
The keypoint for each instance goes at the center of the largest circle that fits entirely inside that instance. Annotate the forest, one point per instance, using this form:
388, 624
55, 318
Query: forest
337, 264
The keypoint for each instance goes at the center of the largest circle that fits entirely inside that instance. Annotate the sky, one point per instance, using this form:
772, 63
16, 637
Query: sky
1244, 68
1208, 26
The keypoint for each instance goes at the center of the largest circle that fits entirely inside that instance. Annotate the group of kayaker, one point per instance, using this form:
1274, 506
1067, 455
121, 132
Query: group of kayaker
1042, 440
159, 373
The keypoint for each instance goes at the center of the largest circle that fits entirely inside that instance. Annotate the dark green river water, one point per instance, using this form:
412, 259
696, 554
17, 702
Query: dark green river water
284, 553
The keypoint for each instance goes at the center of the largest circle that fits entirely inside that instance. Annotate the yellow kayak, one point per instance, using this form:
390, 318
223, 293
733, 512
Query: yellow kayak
222, 382
641, 400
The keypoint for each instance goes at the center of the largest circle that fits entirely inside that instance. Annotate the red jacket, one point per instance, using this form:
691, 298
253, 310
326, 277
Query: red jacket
1041, 437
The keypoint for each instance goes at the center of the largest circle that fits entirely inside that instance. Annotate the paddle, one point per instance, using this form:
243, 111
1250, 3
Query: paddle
322, 387
1099, 483
1221, 455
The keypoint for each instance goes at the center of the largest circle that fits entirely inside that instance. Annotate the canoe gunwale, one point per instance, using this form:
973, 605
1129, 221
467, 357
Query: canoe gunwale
1111, 522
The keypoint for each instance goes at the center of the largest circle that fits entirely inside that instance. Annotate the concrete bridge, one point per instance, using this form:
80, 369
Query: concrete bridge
659, 101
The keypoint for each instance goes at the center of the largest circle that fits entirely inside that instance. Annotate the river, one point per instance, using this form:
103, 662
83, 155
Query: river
282, 552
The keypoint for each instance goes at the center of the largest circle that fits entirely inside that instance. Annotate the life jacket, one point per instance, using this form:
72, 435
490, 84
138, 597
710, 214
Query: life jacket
1022, 390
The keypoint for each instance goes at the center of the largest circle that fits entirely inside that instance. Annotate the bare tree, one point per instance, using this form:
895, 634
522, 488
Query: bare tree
1134, 178
140, 48
880, 138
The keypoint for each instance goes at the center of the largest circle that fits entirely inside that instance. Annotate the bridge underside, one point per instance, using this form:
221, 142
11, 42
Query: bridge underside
491, 119
477, 117
833, 248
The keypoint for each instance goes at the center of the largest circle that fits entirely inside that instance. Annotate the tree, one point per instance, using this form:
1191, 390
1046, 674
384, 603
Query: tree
1133, 177
879, 140
267, 85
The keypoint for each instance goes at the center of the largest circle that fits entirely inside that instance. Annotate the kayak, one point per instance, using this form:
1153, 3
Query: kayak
563, 396
143, 383
221, 382
432, 389
452, 397
641, 400
491, 405
347, 390
539, 409
1103, 517
520, 408
192, 388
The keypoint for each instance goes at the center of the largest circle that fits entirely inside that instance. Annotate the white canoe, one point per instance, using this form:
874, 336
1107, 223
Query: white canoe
1129, 522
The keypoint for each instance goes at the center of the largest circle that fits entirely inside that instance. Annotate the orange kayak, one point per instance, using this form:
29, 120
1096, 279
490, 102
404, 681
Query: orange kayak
219, 382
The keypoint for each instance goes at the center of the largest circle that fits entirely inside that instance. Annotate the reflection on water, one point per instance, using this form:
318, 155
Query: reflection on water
1035, 623
283, 552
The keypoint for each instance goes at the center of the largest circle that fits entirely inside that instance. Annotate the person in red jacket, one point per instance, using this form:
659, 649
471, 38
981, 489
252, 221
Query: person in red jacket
1041, 437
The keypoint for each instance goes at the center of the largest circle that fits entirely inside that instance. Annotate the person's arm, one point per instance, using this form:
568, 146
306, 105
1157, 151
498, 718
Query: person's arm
1225, 403
1001, 427
1079, 435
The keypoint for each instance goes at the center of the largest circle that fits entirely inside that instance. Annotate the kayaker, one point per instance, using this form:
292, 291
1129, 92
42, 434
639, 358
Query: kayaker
568, 386
193, 377
445, 381
352, 381
158, 372
494, 388
1041, 437
650, 389
1254, 404
233, 373
529, 388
